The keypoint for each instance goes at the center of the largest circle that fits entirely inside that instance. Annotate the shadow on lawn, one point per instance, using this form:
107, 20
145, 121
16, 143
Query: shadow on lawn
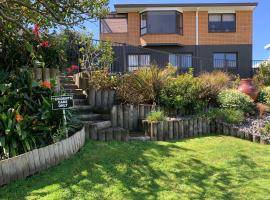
129, 170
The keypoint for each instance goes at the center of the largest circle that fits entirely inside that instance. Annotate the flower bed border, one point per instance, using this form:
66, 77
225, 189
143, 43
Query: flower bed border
40, 159
196, 127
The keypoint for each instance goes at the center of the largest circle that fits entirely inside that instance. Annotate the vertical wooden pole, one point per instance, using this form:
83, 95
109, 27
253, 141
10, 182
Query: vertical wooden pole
170, 129
175, 129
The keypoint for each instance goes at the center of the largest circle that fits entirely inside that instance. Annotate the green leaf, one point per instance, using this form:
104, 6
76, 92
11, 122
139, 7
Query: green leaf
35, 84
2, 141
29, 47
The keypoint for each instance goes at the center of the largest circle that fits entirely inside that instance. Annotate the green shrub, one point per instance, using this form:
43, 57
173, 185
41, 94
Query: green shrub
27, 120
155, 116
143, 85
264, 95
262, 76
234, 99
266, 129
102, 80
212, 84
182, 93
230, 116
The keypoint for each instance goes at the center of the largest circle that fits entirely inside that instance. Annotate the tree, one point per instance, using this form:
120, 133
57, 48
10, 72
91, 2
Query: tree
20, 15
25, 25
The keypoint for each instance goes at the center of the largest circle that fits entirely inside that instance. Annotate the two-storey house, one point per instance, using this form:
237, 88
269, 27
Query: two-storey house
205, 36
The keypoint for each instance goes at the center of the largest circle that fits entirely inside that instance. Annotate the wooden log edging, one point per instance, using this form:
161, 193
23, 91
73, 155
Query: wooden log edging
47, 74
130, 116
196, 127
40, 159
109, 134
101, 98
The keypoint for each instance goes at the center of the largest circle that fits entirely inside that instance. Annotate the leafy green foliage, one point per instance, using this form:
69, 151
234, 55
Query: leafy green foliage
21, 46
230, 116
102, 80
182, 93
264, 95
262, 76
97, 55
143, 85
26, 118
234, 99
212, 83
155, 116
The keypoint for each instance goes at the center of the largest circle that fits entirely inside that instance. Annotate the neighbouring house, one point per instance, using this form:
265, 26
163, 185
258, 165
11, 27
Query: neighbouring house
205, 36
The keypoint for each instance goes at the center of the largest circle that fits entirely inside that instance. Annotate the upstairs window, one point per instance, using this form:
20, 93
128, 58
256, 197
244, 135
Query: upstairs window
225, 60
136, 61
161, 22
222, 23
114, 24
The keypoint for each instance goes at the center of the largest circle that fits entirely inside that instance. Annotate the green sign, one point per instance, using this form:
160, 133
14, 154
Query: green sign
62, 102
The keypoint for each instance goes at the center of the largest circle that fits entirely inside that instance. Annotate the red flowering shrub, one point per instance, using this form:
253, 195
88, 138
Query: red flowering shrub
36, 30
44, 43
46, 84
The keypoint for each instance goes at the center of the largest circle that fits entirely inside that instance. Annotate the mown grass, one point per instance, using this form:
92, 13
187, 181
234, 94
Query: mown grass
213, 167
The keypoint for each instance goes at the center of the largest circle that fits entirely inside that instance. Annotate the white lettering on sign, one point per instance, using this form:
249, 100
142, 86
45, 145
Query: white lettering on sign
63, 98
62, 102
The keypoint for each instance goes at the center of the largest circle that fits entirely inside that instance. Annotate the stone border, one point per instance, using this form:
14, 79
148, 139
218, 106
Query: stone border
40, 159
195, 127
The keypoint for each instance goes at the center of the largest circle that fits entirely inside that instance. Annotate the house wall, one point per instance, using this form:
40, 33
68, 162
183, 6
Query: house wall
243, 34
209, 43
160, 56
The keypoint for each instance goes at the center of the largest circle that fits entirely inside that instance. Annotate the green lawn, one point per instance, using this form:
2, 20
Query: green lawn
214, 167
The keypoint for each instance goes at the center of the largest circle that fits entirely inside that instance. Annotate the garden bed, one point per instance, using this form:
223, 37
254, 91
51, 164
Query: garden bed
174, 129
254, 124
40, 159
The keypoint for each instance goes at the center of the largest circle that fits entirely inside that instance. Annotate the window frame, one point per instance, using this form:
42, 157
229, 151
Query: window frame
139, 60
222, 31
181, 54
177, 14
225, 66
113, 16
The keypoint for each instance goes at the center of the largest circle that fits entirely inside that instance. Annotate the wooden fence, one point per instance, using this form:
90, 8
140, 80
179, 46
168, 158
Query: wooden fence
195, 127
40, 159
130, 117
45, 73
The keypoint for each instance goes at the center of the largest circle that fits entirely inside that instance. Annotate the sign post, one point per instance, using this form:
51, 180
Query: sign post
63, 103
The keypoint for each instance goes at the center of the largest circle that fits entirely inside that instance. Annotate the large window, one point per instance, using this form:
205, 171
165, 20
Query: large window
222, 23
161, 22
181, 60
225, 60
136, 61
114, 24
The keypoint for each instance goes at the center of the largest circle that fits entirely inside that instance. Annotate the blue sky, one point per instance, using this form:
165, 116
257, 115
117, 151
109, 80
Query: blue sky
261, 29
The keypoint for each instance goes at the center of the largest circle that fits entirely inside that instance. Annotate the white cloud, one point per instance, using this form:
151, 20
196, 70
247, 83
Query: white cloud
267, 47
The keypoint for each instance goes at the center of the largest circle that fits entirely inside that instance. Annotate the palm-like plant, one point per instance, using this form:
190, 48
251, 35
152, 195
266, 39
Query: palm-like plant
144, 85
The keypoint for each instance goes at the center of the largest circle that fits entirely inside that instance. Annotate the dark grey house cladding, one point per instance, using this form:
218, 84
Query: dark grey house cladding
201, 58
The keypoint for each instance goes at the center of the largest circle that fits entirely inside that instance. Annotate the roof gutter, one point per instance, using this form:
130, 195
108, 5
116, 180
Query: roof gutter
185, 5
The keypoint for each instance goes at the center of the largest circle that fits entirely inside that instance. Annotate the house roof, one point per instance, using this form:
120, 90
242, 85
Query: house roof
185, 5
124, 8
